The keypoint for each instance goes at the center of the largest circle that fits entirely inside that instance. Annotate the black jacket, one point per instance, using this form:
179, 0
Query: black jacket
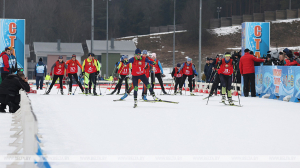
12, 84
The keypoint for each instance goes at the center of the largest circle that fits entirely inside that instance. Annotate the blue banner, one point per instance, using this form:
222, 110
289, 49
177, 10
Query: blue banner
259, 79
12, 34
277, 80
297, 82
256, 37
268, 81
287, 81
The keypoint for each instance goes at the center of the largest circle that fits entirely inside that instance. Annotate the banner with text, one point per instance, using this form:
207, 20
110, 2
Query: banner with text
12, 34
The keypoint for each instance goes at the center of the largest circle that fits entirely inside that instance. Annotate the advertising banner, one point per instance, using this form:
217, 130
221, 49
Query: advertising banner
256, 37
12, 34
297, 82
287, 81
278, 80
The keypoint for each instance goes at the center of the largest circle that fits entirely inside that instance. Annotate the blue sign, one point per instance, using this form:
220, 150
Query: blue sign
256, 37
297, 82
12, 34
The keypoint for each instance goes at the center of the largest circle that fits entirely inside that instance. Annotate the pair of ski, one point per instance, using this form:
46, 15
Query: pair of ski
231, 104
153, 101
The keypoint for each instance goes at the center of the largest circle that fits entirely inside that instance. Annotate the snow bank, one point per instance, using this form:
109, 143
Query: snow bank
225, 30
237, 29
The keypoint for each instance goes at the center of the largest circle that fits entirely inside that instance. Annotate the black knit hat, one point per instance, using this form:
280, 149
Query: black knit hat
246, 50
40, 60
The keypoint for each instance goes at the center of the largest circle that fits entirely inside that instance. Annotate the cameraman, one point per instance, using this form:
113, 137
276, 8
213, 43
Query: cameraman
268, 61
9, 91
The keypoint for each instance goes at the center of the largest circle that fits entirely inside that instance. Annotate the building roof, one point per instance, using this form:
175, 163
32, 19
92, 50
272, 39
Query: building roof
50, 48
27, 51
119, 46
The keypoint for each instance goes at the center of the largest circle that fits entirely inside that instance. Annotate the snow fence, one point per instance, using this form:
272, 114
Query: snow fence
28, 152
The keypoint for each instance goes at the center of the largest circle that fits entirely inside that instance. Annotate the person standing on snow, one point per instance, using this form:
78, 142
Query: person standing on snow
96, 74
177, 77
40, 73
138, 72
123, 71
225, 72
157, 72
89, 67
189, 72
248, 72
72, 71
59, 71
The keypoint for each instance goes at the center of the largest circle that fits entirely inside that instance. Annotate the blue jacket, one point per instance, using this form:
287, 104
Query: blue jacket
208, 70
40, 74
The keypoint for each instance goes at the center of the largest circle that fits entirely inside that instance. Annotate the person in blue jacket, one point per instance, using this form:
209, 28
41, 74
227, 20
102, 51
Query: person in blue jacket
158, 72
40, 72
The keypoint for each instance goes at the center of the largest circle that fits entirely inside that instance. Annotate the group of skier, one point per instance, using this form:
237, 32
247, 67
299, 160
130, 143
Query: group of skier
90, 70
141, 67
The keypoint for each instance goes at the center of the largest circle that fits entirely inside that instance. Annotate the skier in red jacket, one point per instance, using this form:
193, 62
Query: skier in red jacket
248, 72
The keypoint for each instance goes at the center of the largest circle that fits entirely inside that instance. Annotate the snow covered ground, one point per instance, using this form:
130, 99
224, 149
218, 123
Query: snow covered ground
5, 122
88, 125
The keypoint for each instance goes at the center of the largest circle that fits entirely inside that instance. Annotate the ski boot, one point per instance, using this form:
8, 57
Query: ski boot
154, 97
216, 93
86, 91
94, 92
90, 91
230, 101
135, 103
175, 92
180, 91
82, 90
113, 92
144, 97
48, 92
223, 99
164, 92
124, 97
61, 92
118, 92
192, 94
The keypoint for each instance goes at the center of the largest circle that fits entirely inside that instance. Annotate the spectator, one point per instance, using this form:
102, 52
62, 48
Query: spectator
5, 70
208, 70
9, 90
297, 58
248, 72
268, 61
289, 61
237, 75
40, 73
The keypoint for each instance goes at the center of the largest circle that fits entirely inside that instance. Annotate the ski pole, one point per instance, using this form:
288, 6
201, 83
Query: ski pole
77, 85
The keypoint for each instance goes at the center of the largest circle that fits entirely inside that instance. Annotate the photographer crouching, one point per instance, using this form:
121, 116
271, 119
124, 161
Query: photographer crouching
9, 91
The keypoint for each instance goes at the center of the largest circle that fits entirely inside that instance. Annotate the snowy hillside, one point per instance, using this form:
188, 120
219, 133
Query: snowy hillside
237, 29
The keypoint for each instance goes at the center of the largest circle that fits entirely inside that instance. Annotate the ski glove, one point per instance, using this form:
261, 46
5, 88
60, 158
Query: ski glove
154, 62
97, 73
163, 75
